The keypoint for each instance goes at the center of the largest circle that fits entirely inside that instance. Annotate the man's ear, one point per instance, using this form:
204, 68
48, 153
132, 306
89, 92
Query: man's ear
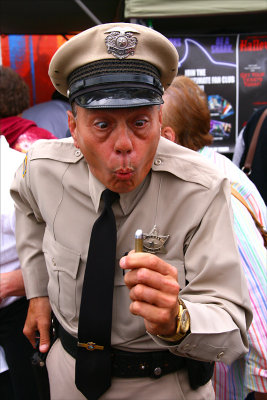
160, 114
168, 133
73, 127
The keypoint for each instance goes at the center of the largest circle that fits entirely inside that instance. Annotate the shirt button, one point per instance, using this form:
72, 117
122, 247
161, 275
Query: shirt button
157, 161
157, 371
219, 356
54, 262
77, 153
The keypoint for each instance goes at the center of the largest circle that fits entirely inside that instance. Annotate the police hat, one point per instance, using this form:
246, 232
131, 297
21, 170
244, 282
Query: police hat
114, 65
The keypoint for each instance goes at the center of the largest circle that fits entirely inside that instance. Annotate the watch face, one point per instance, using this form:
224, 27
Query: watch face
185, 321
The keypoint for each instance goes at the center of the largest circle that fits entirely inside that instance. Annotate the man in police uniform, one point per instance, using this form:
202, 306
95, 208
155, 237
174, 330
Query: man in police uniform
186, 292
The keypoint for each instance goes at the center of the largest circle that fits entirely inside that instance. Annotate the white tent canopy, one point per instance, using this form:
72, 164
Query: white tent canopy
175, 8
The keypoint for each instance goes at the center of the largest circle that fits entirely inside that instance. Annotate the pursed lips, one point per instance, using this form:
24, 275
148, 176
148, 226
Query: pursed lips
124, 173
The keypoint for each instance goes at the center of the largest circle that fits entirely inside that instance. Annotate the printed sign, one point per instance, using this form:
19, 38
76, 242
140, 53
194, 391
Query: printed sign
231, 69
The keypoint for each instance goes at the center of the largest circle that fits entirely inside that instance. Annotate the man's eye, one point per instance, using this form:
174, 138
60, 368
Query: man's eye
101, 125
140, 122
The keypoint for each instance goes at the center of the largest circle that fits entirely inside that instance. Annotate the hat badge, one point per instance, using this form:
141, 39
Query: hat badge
121, 42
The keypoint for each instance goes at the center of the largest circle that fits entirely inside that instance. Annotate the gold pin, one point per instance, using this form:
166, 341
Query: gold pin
90, 346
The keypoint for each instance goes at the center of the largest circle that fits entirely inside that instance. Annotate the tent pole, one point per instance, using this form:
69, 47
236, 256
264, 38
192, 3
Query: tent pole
88, 12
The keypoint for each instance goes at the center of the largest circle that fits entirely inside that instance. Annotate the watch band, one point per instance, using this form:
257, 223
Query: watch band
183, 324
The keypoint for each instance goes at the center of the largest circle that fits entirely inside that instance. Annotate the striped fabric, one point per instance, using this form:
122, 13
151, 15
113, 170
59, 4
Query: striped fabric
249, 373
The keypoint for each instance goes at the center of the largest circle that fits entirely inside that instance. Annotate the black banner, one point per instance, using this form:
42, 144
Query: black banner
231, 69
252, 75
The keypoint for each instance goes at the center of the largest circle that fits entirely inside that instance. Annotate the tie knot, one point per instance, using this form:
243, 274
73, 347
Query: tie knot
109, 197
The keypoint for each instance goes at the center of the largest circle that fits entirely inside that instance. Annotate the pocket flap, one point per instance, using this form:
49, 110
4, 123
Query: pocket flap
61, 258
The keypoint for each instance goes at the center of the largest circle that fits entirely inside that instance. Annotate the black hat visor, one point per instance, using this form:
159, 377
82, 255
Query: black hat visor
119, 90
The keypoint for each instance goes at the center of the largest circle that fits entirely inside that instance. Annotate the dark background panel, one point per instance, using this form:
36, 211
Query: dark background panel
66, 16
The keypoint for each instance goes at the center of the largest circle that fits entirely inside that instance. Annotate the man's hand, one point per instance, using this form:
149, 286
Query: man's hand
154, 290
38, 319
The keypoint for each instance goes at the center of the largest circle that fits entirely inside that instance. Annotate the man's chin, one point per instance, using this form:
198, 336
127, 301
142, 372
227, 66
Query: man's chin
122, 186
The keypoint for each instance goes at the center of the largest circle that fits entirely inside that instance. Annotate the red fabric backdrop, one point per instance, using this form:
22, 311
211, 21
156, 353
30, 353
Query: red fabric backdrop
30, 55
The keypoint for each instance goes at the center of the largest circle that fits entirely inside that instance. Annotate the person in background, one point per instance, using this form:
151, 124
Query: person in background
239, 148
6, 390
154, 331
19, 381
19, 132
186, 121
17, 136
51, 115
259, 165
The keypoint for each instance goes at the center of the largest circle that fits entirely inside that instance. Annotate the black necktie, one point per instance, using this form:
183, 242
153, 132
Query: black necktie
93, 362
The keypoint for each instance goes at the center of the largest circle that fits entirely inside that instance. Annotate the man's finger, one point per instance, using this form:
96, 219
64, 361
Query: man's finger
149, 261
30, 334
155, 297
158, 321
152, 279
44, 330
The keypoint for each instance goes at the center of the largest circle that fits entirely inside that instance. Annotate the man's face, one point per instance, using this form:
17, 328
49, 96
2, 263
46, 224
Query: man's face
118, 144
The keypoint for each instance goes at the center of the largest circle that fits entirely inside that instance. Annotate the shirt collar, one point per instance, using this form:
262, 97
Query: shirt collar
127, 200
95, 190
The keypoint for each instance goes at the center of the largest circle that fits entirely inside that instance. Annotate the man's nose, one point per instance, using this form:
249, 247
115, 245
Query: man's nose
123, 142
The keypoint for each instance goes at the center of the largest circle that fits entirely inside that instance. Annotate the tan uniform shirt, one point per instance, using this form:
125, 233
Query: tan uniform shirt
58, 200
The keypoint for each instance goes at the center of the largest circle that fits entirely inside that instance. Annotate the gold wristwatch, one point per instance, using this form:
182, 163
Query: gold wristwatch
183, 324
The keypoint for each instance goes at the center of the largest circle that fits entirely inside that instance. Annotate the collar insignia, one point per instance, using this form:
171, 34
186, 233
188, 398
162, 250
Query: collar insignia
153, 242
120, 42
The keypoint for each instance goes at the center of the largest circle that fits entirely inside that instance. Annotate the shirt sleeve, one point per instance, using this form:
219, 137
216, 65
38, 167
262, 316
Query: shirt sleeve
253, 258
30, 229
216, 294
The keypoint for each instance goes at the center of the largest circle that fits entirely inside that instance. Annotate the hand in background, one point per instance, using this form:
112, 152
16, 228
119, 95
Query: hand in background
11, 284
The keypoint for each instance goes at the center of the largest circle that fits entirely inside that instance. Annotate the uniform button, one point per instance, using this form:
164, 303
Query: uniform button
157, 371
219, 356
77, 153
54, 262
157, 161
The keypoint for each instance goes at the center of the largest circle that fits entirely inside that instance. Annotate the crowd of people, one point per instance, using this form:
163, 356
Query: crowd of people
126, 146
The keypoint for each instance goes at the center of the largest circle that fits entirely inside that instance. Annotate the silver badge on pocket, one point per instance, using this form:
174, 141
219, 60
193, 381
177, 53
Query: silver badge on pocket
153, 242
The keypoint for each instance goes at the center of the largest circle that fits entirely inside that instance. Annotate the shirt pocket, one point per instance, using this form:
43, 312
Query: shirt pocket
126, 327
62, 266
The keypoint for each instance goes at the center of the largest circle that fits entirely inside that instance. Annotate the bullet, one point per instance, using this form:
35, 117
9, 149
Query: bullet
138, 241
